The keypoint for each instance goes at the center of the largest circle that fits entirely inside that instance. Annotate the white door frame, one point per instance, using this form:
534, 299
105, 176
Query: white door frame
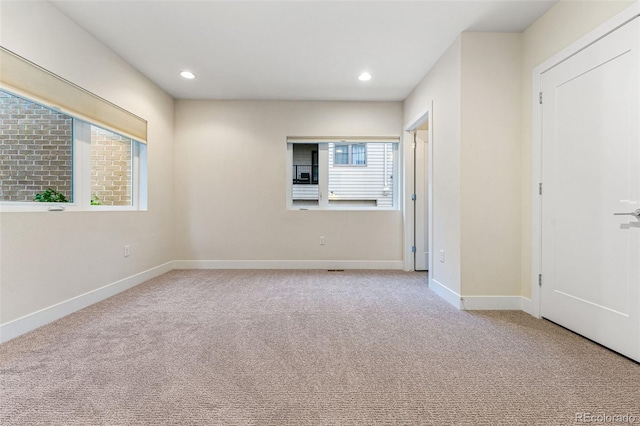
612, 24
409, 219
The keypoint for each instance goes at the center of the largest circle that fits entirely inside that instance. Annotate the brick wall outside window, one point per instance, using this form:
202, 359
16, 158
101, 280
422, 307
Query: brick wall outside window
110, 167
36, 150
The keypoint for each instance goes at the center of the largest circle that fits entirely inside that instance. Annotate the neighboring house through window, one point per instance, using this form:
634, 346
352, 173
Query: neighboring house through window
322, 175
354, 154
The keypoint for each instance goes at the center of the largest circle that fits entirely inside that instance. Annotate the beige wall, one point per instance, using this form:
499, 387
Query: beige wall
563, 24
50, 257
475, 88
231, 174
490, 164
442, 86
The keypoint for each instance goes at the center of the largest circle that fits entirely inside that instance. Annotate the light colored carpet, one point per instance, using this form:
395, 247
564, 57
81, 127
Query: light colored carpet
305, 348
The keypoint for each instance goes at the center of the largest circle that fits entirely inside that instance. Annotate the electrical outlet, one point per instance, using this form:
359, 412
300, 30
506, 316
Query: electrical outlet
322, 241
441, 256
127, 251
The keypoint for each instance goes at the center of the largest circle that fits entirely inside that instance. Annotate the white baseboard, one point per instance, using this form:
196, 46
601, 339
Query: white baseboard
445, 292
288, 264
44, 316
491, 303
482, 303
527, 306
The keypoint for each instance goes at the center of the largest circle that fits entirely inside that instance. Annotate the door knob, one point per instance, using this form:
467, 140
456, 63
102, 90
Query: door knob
635, 213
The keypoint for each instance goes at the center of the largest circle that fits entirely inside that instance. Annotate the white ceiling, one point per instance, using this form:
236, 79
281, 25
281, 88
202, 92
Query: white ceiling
311, 50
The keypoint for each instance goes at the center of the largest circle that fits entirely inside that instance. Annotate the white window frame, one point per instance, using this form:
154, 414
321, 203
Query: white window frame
323, 172
138, 171
81, 175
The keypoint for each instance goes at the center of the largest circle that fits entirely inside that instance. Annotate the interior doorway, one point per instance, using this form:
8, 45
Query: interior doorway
421, 179
419, 188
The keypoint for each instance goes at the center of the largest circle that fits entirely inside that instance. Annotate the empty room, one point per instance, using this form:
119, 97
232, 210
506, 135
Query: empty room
319, 212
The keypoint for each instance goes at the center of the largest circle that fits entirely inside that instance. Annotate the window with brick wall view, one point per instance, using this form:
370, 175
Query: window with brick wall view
110, 168
36, 150
38, 146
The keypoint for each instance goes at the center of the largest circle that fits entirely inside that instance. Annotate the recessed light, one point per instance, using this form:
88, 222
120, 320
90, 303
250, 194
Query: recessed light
188, 75
365, 76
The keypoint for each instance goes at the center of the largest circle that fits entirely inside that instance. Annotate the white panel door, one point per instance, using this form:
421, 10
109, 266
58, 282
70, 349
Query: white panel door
591, 162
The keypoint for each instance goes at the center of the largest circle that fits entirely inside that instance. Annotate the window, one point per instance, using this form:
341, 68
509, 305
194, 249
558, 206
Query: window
321, 176
44, 151
111, 160
36, 150
350, 154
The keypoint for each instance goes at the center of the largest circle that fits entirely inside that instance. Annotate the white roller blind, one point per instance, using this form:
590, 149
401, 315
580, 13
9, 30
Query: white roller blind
343, 139
24, 78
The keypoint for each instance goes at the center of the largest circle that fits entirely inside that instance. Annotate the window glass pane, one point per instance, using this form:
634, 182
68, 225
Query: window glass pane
359, 154
370, 186
36, 151
341, 154
305, 174
111, 168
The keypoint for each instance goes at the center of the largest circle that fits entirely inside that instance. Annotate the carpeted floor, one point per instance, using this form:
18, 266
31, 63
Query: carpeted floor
306, 348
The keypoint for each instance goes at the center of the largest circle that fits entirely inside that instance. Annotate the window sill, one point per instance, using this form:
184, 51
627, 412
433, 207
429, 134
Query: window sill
342, 209
30, 207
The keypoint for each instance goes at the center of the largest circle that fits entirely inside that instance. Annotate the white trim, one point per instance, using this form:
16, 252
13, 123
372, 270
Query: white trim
418, 119
288, 264
304, 208
406, 202
526, 305
446, 293
430, 146
409, 219
536, 201
408, 188
45, 316
289, 176
601, 31
343, 139
492, 303
591, 37
34, 206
